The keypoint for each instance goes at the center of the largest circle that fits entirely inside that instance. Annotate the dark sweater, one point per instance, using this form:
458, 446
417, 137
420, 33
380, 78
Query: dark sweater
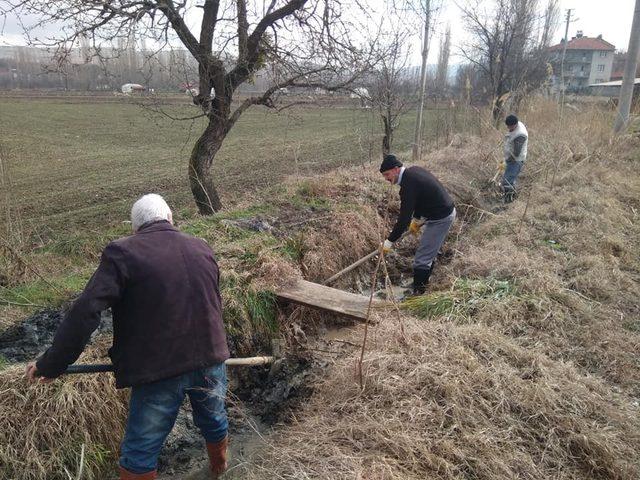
421, 196
162, 286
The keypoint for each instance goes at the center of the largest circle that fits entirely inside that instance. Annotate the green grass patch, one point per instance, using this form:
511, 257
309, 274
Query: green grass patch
219, 229
632, 326
464, 295
250, 316
85, 243
314, 203
294, 247
44, 294
555, 245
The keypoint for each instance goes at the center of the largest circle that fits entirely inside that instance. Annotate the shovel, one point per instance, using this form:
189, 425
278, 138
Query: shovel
231, 362
356, 264
351, 267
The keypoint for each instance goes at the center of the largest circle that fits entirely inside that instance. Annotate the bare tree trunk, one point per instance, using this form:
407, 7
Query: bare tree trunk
387, 140
443, 62
628, 82
417, 142
202, 155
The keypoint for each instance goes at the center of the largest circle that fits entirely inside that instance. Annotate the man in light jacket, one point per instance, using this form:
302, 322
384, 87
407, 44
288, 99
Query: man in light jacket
168, 338
515, 154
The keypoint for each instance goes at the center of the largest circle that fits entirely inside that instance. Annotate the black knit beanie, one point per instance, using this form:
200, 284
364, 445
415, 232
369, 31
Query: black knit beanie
390, 161
511, 120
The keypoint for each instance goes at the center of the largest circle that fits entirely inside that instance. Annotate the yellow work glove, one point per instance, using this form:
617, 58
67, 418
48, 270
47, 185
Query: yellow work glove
501, 167
386, 246
415, 226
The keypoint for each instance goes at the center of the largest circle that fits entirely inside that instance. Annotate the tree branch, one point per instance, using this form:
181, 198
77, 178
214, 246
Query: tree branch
208, 26
243, 31
245, 65
183, 32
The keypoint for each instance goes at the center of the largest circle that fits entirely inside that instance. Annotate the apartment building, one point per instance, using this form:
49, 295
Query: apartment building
588, 60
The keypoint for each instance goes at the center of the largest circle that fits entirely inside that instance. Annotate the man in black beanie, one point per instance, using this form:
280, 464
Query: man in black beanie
423, 201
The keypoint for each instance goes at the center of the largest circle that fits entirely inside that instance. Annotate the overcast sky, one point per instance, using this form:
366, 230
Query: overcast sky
611, 18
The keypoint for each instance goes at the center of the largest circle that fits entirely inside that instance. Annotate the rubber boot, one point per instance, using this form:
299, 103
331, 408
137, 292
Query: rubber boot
420, 280
509, 195
218, 457
127, 475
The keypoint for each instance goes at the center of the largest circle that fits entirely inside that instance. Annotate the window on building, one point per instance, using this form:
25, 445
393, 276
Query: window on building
601, 68
603, 54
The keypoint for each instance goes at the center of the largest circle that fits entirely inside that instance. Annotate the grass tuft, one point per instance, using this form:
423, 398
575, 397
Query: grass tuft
464, 295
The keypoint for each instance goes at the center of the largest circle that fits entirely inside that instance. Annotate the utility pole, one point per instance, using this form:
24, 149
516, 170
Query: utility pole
628, 80
417, 141
564, 53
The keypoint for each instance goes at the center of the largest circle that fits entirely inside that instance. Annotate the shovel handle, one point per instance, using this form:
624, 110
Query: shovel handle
232, 362
351, 267
357, 263
89, 368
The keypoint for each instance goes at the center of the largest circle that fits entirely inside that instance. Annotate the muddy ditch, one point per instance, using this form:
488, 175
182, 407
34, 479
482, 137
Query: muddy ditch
260, 398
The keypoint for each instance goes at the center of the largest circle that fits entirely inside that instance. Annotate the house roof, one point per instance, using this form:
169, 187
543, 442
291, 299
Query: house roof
616, 83
585, 43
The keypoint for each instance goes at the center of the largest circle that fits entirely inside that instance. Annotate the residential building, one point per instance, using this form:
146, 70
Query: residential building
588, 60
612, 89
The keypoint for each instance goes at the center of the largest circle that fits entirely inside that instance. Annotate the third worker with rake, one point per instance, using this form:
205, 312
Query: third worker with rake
423, 201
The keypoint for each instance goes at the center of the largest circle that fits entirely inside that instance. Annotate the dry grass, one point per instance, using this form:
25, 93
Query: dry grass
347, 237
453, 402
48, 428
570, 244
528, 367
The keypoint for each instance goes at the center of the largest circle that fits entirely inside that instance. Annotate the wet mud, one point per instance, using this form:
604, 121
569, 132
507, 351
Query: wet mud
259, 397
28, 339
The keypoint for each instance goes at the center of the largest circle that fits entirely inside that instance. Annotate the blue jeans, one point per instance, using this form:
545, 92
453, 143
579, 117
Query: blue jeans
153, 409
510, 175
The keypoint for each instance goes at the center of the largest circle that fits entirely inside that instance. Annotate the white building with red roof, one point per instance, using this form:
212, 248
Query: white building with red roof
588, 60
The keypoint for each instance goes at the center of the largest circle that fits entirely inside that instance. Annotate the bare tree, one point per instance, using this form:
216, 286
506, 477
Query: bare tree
427, 10
628, 82
509, 46
308, 42
391, 90
442, 72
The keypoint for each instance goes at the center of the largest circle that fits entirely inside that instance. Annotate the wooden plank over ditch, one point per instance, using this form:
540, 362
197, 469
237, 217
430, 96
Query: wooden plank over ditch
329, 299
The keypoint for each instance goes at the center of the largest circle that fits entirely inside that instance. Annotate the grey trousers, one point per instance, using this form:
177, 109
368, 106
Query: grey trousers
433, 236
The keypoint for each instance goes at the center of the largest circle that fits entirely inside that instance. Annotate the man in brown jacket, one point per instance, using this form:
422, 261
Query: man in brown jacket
168, 336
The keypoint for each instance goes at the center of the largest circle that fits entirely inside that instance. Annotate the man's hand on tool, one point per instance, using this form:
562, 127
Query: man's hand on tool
386, 246
415, 226
31, 373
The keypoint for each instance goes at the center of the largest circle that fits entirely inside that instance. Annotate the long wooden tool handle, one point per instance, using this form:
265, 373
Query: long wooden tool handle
89, 368
351, 267
250, 361
358, 263
232, 362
